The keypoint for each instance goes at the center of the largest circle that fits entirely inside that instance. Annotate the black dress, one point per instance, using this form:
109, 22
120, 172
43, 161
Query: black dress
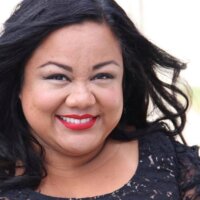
167, 170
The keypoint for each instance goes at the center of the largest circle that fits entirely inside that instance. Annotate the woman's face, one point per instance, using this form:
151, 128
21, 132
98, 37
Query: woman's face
72, 90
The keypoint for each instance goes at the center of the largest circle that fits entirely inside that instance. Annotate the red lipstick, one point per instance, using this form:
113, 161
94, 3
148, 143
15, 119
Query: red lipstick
77, 122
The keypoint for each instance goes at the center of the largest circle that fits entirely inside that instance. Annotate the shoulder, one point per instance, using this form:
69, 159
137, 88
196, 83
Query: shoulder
185, 159
188, 162
157, 151
159, 142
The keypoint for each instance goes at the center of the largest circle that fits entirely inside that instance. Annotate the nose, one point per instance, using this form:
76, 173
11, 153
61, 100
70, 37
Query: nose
80, 97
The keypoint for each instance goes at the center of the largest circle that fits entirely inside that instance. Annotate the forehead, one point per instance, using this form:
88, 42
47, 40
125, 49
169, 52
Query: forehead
78, 43
83, 33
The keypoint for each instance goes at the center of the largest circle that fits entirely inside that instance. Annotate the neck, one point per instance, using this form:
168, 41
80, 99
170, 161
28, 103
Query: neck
92, 175
72, 166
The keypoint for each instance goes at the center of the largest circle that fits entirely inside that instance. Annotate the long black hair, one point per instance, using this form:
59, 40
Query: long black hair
32, 21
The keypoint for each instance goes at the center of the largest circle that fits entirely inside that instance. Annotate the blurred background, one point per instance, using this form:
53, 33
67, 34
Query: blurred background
172, 25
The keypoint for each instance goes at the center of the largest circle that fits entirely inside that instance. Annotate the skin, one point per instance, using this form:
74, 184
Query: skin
78, 160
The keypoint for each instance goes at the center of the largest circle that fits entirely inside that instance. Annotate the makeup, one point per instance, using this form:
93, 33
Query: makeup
77, 122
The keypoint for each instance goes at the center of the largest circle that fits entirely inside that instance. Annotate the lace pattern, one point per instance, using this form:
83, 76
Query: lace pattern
167, 170
189, 171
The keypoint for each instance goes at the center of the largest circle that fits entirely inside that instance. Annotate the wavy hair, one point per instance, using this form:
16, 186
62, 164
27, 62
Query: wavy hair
143, 86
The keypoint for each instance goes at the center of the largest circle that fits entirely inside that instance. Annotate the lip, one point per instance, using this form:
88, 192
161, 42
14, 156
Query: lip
77, 122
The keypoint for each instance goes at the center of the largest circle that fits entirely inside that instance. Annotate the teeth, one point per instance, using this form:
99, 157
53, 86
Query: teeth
76, 121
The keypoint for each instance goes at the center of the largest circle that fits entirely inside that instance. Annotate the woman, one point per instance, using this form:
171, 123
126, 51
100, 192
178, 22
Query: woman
77, 81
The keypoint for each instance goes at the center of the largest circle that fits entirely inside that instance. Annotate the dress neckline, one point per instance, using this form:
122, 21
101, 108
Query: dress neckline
117, 192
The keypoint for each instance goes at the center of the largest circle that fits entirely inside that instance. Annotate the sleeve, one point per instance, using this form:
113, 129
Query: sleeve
188, 162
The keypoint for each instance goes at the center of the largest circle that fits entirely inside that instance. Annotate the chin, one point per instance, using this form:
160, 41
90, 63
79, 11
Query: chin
83, 148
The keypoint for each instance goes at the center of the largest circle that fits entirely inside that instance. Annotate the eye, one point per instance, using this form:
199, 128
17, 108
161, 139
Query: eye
103, 76
57, 77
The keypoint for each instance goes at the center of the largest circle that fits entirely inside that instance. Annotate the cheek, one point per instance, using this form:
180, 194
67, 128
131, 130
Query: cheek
112, 99
39, 101
46, 102
39, 109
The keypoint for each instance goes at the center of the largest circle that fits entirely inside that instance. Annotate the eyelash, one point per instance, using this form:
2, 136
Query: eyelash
62, 77
57, 77
103, 76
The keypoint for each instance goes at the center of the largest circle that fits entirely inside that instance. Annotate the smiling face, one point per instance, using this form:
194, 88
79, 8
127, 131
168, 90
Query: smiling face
72, 90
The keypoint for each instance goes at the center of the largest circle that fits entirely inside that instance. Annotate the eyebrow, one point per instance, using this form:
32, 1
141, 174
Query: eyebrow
68, 68
65, 67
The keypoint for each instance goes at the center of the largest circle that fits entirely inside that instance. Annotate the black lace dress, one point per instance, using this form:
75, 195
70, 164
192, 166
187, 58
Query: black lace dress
167, 170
